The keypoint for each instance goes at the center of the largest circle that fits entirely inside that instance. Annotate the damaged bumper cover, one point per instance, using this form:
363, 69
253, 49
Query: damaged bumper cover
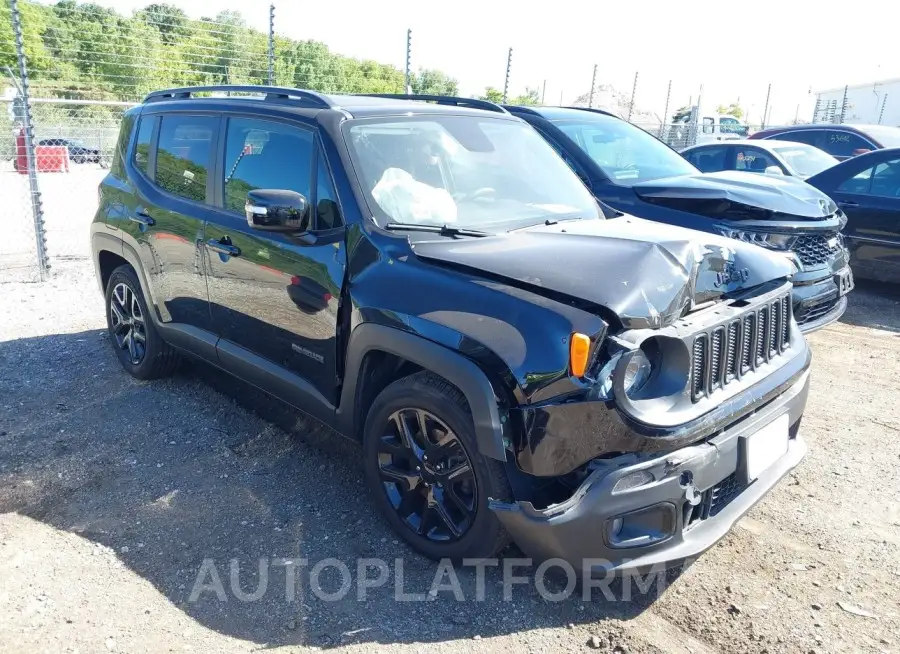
665, 509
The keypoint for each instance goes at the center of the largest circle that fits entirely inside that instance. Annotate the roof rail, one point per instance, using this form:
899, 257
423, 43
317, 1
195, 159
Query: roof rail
596, 111
442, 99
271, 92
521, 108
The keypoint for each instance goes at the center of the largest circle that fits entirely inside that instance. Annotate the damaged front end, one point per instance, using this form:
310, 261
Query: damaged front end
649, 466
783, 215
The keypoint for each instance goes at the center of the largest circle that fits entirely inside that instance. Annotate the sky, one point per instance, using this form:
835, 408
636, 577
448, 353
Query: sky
730, 51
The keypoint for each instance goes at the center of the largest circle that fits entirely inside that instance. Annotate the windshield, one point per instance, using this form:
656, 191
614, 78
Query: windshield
626, 154
889, 137
805, 160
464, 171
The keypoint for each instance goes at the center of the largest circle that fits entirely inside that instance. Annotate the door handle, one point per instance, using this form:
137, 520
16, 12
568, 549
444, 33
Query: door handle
223, 248
848, 203
142, 218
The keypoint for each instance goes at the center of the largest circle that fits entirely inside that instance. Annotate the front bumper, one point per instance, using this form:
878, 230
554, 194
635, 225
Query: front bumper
823, 301
578, 529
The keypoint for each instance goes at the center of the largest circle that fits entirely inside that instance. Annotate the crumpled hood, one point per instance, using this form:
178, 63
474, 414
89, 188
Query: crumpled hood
737, 195
647, 273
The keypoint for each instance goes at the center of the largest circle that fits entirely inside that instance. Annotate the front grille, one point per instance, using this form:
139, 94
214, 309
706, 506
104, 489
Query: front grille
813, 312
714, 500
814, 249
726, 352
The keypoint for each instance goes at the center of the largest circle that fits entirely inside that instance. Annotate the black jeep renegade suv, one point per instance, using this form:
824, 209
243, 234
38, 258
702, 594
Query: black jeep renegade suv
433, 280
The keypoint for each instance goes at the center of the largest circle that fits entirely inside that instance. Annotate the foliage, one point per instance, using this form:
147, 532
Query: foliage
531, 97
429, 81
85, 51
731, 110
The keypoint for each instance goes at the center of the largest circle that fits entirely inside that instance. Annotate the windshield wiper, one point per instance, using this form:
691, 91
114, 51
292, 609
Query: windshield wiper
443, 230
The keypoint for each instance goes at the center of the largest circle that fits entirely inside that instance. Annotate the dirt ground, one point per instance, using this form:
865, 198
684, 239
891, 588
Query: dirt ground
117, 496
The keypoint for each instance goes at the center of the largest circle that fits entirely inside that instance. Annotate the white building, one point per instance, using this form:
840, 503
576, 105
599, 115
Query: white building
872, 103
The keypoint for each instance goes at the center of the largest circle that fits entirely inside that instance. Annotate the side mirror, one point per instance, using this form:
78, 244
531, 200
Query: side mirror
774, 170
277, 211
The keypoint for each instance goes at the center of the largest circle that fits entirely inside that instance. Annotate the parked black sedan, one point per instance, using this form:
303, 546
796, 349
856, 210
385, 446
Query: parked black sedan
78, 152
633, 172
867, 188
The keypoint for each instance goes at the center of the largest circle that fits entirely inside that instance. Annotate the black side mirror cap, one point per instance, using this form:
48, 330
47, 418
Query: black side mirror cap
276, 210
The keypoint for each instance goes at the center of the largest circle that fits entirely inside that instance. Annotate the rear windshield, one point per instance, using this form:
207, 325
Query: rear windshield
889, 137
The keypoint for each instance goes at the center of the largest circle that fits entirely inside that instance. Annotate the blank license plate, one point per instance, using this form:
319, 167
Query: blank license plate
766, 446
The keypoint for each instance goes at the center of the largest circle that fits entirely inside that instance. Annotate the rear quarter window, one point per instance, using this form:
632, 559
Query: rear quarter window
117, 167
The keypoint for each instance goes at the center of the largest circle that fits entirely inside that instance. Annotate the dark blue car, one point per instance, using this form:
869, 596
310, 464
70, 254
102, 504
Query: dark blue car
634, 172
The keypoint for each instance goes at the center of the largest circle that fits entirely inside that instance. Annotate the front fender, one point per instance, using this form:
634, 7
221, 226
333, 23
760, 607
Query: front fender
452, 366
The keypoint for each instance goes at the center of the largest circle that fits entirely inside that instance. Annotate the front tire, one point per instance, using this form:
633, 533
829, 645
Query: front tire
141, 351
426, 475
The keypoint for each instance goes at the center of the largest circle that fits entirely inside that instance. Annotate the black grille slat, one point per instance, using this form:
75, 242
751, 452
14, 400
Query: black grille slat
762, 334
747, 344
698, 367
814, 249
786, 321
715, 376
729, 351
775, 313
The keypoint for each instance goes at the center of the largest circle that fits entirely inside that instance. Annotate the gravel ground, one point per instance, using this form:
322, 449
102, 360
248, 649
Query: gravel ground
116, 494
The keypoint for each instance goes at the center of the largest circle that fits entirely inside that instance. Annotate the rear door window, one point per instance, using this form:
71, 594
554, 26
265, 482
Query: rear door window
143, 144
754, 160
184, 154
709, 160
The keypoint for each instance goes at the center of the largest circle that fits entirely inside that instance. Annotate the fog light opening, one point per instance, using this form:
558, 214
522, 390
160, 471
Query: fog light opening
643, 527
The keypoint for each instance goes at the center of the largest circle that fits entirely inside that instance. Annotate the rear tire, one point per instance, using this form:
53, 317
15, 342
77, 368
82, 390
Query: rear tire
141, 350
441, 510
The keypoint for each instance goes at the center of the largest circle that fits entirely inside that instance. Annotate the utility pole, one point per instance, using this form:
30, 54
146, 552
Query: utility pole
593, 86
408, 60
665, 118
271, 45
844, 104
544, 92
881, 113
633, 92
766, 108
506, 83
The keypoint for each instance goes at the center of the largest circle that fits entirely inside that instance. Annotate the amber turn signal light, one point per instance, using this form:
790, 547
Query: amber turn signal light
579, 348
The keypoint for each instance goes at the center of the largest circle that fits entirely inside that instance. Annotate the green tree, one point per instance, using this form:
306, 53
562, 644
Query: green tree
429, 81
531, 97
731, 110
492, 95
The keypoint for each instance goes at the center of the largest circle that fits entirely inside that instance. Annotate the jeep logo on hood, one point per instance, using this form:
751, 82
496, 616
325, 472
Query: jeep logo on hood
730, 274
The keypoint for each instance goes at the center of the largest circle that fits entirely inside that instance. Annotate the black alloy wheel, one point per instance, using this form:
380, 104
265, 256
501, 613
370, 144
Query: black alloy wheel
128, 325
427, 475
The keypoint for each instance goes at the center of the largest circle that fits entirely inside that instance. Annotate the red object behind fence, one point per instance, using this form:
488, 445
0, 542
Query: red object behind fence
48, 158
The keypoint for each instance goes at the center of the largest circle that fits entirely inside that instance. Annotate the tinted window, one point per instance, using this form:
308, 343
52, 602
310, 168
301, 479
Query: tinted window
883, 180
728, 125
125, 132
142, 146
754, 160
184, 154
709, 160
814, 137
844, 144
265, 155
327, 213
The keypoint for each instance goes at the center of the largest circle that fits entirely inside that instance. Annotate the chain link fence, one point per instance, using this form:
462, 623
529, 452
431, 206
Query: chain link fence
80, 66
